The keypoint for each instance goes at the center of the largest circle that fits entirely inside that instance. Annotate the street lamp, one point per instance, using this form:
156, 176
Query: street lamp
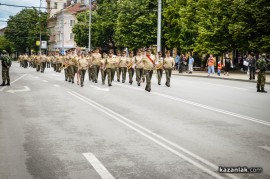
90, 21
159, 26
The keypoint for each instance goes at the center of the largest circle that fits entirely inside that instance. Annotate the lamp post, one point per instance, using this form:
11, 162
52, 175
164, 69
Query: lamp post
40, 26
90, 23
159, 26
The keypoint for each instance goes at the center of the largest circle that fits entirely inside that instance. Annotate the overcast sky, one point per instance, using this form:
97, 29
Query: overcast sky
6, 11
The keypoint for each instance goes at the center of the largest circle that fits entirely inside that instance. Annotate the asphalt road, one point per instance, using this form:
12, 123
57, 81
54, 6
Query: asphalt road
52, 129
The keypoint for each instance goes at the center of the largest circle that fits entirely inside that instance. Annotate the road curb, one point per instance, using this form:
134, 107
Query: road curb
221, 78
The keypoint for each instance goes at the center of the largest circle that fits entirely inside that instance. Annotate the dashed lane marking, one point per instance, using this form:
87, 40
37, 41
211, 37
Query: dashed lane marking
98, 166
57, 86
161, 141
45, 81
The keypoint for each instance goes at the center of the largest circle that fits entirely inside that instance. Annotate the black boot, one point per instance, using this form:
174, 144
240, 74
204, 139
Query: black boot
3, 84
258, 88
263, 91
8, 83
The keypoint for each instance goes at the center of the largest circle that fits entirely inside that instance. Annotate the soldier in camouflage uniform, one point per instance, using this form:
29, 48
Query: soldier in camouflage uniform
261, 68
6, 64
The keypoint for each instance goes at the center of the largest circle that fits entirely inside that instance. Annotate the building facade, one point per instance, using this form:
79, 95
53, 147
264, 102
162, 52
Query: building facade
61, 19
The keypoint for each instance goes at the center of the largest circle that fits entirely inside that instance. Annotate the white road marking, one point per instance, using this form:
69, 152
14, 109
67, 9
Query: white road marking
149, 134
100, 89
2, 89
204, 106
45, 81
57, 86
36, 77
267, 148
227, 86
131, 87
26, 88
102, 171
214, 109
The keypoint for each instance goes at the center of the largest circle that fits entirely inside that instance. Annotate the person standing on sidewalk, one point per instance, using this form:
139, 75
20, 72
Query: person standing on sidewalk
251, 66
6, 64
219, 67
227, 64
261, 68
190, 64
211, 65
177, 60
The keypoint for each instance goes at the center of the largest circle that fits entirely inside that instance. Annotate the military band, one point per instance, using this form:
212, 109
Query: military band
76, 64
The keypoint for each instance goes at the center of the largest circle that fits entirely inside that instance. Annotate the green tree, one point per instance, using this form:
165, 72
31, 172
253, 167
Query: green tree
5, 44
251, 24
136, 24
23, 29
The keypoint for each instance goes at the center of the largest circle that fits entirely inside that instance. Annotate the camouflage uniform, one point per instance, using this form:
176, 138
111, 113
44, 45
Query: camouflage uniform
6, 63
261, 66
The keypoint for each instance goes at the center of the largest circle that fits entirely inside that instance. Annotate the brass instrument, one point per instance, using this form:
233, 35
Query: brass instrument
159, 66
129, 66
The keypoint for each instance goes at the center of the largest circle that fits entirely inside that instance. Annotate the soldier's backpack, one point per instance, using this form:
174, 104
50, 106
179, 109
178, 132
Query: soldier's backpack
8, 59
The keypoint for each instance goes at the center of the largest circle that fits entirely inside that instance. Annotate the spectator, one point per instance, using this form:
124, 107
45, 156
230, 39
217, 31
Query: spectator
190, 64
251, 66
227, 64
211, 65
177, 60
219, 67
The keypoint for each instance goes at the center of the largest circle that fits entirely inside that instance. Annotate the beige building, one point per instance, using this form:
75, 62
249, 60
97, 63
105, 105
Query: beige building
62, 17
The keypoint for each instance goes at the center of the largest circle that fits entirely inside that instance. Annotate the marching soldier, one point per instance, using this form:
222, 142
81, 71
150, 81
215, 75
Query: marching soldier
139, 67
83, 65
159, 67
70, 68
38, 62
123, 66
148, 66
168, 65
102, 66
90, 69
96, 57
65, 65
6, 64
130, 66
43, 59
261, 68
25, 61
59, 62
109, 67
117, 69
48, 61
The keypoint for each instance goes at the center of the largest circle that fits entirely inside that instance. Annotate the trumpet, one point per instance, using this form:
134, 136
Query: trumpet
159, 66
129, 66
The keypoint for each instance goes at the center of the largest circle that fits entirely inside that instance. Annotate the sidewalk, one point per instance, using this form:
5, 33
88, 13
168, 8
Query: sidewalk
237, 76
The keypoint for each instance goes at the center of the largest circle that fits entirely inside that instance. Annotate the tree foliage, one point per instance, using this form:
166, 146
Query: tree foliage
203, 26
122, 23
24, 28
5, 44
217, 26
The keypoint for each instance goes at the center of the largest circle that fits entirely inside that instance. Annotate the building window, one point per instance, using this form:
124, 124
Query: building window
72, 22
71, 36
55, 5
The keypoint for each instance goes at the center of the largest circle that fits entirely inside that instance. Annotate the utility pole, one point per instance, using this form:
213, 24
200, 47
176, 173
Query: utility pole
159, 26
63, 32
90, 21
40, 26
